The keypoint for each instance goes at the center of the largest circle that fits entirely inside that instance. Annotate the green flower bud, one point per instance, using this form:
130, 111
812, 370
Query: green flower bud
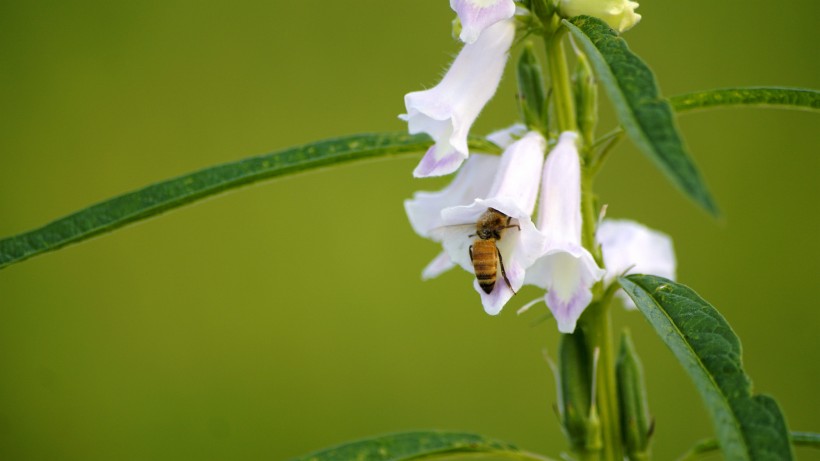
636, 423
586, 99
581, 427
531, 90
619, 14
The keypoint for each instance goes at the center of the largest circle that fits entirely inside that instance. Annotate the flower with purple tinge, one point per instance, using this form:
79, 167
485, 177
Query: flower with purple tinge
477, 15
563, 267
619, 14
447, 111
632, 248
473, 180
513, 193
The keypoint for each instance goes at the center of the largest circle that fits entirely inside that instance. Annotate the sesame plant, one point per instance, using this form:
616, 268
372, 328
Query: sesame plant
521, 209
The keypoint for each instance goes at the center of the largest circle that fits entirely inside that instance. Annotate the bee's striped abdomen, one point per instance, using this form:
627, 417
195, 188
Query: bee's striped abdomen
485, 263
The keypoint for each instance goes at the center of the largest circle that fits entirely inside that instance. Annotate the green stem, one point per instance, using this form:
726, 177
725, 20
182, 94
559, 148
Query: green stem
597, 324
589, 216
559, 76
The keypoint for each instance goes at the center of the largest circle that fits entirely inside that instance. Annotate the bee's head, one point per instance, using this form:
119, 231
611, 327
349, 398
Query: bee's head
485, 234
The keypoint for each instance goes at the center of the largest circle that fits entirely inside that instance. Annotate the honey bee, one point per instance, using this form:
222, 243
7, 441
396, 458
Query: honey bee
484, 254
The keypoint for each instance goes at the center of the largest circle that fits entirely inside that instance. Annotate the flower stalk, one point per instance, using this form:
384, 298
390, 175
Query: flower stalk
596, 321
559, 75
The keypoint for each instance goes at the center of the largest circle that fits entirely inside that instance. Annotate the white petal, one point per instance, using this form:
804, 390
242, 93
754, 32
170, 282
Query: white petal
447, 111
477, 15
559, 214
473, 180
567, 274
564, 268
506, 136
518, 173
439, 265
632, 248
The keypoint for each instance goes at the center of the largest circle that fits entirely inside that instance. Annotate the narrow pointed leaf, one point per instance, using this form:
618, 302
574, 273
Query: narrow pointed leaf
748, 427
647, 118
410, 445
706, 447
775, 97
166, 195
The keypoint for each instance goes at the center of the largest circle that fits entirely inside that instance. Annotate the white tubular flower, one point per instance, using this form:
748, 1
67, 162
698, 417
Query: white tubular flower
447, 111
424, 209
619, 14
477, 15
632, 248
565, 268
513, 193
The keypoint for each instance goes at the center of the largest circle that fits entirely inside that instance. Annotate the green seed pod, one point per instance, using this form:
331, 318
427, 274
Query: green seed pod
576, 387
636, 423
532, 101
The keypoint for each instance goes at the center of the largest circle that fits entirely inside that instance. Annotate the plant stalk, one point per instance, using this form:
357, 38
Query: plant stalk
559, 76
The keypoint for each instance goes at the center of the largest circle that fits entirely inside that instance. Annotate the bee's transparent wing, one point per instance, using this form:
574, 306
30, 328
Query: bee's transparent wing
456, 240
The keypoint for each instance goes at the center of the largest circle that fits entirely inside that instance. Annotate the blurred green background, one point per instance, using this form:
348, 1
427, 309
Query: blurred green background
289, 316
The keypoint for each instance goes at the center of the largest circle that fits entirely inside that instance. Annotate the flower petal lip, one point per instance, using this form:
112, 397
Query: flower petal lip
513, 192
447, 111
477, 15
439, 265
506, 136
563, 267
631, 248
473, 180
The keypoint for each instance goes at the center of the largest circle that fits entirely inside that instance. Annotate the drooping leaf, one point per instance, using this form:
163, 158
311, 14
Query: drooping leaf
410, 445
781, 98
647, 118
166, 195
748, 427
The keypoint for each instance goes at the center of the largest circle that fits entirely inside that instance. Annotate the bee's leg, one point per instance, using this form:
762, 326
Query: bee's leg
471, 253
509, 218
503, 272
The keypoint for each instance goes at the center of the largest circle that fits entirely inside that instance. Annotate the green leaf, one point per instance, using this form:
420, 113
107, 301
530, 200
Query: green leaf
646, 117
706, 447
806, 439
783, 98
748, 427
166, 195
411, 445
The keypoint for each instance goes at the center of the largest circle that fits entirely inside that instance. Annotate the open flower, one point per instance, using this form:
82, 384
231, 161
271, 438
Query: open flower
632, 248
565, 268
513, 193
619, 14
477, 15
447, 111
473, 180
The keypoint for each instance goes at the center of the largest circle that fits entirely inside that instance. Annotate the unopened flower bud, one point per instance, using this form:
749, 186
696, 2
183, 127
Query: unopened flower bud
636, 423
531, 92
576, 391
586, 99
619, 14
